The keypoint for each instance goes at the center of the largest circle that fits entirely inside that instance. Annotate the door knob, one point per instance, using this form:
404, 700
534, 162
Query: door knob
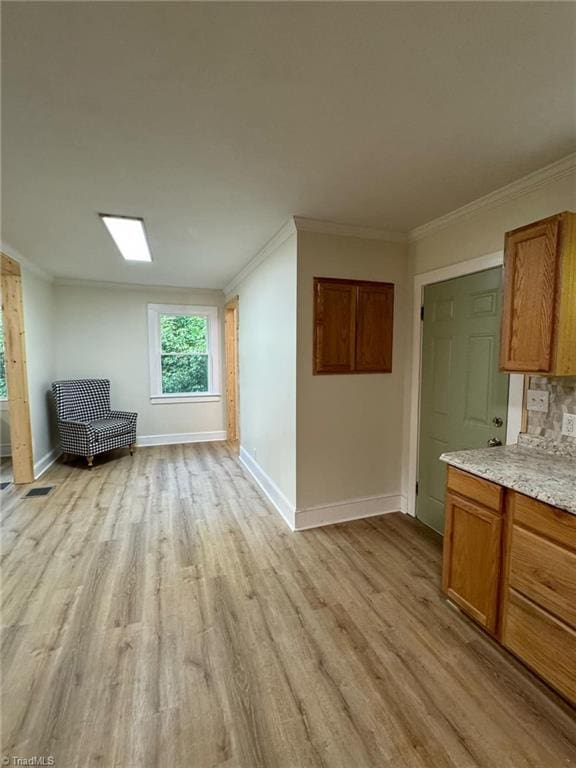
493, 442
497, 421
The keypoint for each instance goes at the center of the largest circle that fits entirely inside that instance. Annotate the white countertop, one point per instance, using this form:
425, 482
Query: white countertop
544, 476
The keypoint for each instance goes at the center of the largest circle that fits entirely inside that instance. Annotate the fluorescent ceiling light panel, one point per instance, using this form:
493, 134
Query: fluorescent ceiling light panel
129, 235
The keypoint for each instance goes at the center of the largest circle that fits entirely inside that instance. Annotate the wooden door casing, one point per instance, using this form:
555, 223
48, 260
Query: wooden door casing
16, 371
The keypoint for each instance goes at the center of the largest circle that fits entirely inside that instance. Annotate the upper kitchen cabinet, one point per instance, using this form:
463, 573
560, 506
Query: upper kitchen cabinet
539, 314
353, 326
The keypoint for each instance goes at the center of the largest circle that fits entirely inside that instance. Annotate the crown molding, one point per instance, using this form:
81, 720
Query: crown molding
523, 186
286, 230
24, 262
304, 224
79, 282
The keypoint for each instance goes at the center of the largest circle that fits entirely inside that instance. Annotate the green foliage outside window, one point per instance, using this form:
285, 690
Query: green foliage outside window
3, 388
184, 340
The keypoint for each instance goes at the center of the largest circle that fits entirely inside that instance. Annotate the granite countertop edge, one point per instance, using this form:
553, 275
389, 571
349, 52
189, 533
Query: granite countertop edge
542, 476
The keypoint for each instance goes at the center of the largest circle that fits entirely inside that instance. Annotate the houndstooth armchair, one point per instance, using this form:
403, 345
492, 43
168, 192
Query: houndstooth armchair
86, 424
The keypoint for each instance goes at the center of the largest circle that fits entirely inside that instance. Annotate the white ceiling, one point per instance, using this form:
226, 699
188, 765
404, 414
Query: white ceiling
216, 122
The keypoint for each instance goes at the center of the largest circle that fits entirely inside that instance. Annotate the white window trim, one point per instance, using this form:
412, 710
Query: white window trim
157, 397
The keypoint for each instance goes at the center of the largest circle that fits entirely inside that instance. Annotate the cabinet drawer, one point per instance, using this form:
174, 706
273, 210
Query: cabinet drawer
545, 644
481, 491
554, 523
545, 572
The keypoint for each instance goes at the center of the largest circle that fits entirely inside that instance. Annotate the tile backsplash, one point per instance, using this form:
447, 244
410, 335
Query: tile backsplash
562, 400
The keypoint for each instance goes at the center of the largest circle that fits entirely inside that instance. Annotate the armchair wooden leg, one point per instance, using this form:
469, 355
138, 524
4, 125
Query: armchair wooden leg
90, 460
132, 449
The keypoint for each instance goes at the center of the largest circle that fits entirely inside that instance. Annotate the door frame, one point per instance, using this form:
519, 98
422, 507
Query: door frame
16, 370
232, 369
516, 382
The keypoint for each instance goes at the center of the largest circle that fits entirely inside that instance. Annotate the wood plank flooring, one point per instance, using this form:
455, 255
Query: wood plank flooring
157, 612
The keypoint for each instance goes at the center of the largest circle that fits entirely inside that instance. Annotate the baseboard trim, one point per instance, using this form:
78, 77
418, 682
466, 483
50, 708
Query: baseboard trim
44, 464
145, 441
348, 510
268, 487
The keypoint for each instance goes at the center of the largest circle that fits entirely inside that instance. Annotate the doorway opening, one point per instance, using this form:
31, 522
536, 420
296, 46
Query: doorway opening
232, 373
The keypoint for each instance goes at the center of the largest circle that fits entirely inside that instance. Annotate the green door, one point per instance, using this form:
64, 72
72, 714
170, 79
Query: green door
464, 396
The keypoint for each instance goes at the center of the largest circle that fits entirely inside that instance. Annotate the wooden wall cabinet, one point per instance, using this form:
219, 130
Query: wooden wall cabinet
539, 312
353, 326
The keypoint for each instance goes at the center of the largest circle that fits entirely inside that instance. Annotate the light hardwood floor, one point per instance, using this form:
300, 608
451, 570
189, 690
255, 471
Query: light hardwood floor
157, 612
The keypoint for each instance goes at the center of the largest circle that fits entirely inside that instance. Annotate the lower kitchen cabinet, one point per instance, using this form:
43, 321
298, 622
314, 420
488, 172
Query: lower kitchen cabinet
510, 564
545, 644
472, 543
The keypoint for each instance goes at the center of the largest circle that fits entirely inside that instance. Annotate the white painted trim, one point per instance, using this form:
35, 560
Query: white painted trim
459, 269
180, 438
286, 230
517, 188
5, 450
4, 404
351, 509
348, 230
80, 282
269, 487
515, 403
44, 464
178, 399
24, 262
427, 278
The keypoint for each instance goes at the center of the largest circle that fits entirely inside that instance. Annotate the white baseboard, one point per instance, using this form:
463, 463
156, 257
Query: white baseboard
269, 487
45, 462
351, 509
143, 441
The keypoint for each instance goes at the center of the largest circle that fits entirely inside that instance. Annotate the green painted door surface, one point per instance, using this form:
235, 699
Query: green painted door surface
464, 397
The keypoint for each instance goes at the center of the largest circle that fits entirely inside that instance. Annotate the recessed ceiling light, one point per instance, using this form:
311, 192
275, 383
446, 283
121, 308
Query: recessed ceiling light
129, 235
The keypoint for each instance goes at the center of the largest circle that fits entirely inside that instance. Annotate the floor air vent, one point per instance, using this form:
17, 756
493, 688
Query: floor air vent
44, 491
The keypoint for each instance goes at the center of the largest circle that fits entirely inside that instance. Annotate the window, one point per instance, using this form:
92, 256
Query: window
184, 353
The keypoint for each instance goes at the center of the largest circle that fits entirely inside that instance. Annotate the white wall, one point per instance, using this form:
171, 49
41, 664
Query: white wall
349, 427
39, 315
267, 357
102, 332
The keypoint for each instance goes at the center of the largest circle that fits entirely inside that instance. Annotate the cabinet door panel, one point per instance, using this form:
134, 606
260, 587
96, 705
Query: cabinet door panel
335, 326
530, 273
374, 328
471, 568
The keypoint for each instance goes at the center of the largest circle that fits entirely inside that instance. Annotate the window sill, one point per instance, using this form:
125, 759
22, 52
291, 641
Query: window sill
200, 398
